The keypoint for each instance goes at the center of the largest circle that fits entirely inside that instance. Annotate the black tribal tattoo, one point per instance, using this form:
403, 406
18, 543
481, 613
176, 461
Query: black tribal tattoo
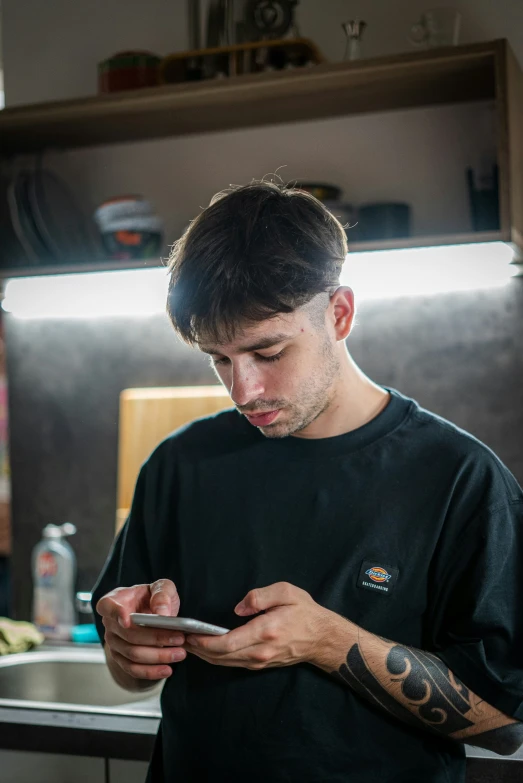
431, 694
419, 689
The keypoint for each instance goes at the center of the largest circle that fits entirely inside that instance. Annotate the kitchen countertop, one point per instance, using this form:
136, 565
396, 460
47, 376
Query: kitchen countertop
82, 734
132, 738
95, 732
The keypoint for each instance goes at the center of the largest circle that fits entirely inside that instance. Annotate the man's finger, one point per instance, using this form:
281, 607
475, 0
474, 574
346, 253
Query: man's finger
141, 671
151, 637
238, 639
262, 598
119, 603
143, 654
257, 656
164, 598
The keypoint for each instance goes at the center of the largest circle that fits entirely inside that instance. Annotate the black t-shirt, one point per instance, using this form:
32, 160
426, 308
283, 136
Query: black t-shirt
220, 509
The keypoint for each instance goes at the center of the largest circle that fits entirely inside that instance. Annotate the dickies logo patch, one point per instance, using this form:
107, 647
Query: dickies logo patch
378, 577
378, 574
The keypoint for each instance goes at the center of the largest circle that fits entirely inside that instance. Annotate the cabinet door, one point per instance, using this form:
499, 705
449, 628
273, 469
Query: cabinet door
128, 771
17, 766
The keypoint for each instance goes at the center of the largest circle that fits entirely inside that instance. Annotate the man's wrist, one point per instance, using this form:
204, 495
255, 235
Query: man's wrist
336, 637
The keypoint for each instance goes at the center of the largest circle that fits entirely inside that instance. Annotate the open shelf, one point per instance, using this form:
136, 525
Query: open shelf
414, 79
462, 74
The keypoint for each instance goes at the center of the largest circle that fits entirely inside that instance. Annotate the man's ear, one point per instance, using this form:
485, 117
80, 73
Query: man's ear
343, 309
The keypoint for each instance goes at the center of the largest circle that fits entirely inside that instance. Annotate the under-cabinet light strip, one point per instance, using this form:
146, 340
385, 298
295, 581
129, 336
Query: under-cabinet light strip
373, 275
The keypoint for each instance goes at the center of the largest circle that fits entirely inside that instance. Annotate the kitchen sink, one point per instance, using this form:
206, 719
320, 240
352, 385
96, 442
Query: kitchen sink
69, 679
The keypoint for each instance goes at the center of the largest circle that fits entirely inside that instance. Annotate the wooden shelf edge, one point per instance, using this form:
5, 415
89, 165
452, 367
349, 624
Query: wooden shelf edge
449, 74
164, 94
70, 269
466, 238
354, 247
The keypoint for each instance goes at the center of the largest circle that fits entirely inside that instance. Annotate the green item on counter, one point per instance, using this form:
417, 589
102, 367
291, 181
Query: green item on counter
17, 636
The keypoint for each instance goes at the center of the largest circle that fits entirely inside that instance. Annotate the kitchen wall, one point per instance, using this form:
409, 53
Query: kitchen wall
457, 354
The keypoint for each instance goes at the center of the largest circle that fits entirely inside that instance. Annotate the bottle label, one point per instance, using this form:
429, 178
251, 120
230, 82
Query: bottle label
45, 609
46, 568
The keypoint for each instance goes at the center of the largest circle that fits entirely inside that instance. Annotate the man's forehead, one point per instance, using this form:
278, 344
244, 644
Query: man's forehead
255, 336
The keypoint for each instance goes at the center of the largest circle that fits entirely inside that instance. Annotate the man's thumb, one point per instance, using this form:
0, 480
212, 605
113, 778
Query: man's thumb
250, 604
163, 597
262, 598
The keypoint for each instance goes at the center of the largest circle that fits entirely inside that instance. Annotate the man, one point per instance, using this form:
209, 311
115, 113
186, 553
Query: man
365, 553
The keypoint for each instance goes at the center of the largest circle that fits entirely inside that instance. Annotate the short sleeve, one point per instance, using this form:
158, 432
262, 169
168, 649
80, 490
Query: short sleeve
128, 562
478, 616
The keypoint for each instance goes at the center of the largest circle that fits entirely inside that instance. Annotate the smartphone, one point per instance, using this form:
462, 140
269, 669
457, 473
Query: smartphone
185, 624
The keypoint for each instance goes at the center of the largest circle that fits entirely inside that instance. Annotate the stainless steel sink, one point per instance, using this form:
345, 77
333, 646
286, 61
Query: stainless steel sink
69, 679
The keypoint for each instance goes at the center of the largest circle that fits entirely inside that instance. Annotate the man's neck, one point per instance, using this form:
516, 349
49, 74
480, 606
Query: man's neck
356, 401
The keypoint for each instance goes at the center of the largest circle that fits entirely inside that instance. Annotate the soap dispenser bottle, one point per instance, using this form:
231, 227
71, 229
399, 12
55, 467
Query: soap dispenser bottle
54, 577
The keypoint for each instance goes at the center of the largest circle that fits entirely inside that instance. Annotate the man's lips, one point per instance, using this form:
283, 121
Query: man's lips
262, 419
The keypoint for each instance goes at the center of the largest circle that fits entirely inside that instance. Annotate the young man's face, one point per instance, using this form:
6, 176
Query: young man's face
281, 373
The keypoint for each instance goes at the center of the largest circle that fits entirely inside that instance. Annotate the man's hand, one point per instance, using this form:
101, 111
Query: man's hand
142, 653
289, 631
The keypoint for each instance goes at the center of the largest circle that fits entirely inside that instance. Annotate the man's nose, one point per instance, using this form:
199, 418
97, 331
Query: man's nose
246, 386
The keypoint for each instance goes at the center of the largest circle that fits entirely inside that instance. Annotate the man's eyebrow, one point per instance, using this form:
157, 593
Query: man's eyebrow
266, 342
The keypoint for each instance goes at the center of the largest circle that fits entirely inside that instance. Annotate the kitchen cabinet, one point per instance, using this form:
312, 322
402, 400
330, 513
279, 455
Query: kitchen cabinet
16, 766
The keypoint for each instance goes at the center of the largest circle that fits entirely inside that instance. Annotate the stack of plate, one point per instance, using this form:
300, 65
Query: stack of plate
41, 223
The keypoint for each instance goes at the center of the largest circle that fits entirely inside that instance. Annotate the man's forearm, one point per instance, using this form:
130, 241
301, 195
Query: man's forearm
414, 686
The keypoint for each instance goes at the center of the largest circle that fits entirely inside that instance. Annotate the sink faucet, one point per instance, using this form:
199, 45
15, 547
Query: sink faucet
83, 603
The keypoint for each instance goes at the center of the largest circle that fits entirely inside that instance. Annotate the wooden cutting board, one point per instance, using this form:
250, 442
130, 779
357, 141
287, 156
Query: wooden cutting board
147, 416
5, 529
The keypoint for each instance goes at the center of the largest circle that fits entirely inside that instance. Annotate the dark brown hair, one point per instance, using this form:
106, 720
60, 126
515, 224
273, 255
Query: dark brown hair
256, 251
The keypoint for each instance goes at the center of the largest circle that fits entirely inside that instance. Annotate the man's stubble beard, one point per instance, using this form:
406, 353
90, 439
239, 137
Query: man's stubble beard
318, 394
